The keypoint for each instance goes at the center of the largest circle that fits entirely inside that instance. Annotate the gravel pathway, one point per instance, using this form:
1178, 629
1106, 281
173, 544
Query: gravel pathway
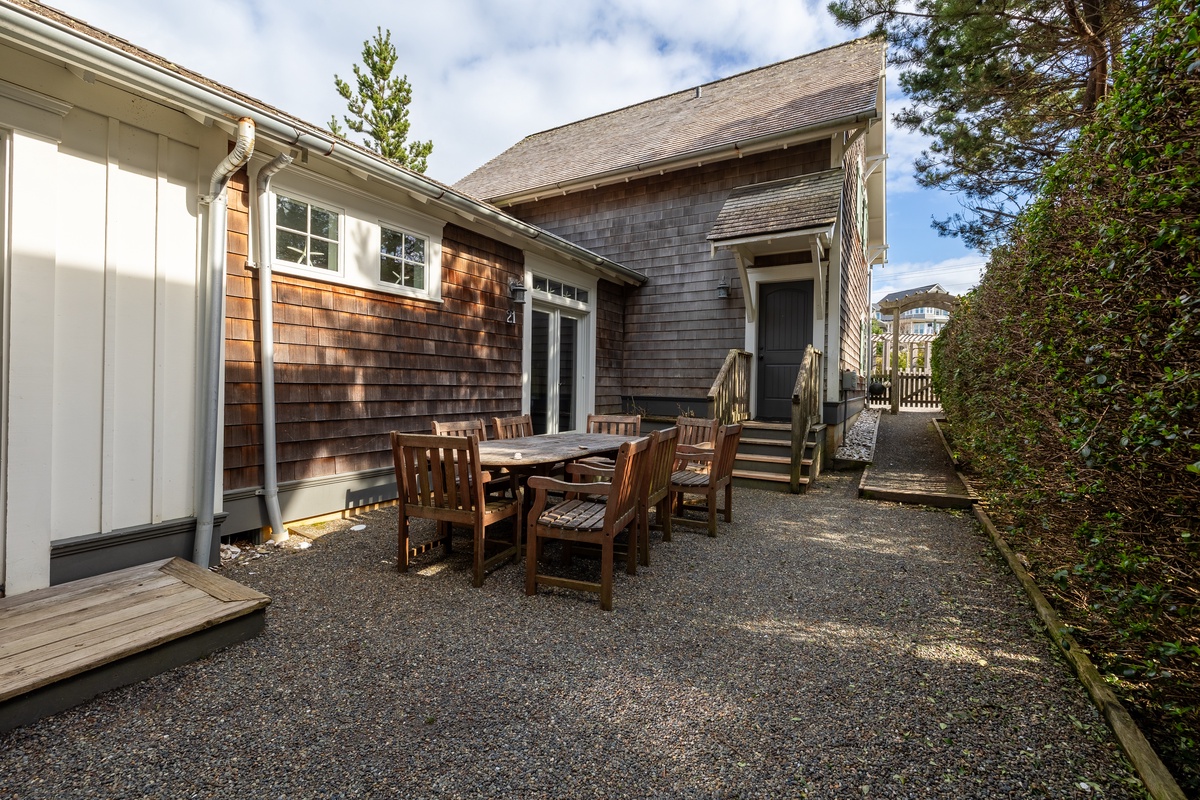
821, 647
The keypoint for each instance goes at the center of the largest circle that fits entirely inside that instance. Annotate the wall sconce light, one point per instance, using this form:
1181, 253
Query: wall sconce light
516, 290
723, 289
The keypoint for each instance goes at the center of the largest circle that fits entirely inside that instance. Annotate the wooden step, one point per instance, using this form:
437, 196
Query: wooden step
68, 643
765, 480
755, 425
758, 459
766, 442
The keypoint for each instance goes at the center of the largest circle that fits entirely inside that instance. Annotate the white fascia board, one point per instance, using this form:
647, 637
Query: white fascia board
729, 244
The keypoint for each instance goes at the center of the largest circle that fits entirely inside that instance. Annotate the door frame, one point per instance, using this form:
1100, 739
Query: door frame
804, 286
583, 312
5, 338
787, 273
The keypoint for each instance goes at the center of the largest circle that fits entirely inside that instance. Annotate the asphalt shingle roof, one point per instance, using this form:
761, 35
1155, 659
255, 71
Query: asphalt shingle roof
804, 92
794, 204
900, 295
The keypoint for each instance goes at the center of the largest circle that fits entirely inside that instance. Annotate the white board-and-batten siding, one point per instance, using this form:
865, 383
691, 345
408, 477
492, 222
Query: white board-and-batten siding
103, 331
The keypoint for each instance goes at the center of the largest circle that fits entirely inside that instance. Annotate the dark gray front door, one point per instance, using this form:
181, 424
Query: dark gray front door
784, 331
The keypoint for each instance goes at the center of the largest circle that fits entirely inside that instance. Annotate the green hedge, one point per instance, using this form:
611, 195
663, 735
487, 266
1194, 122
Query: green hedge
1071, 379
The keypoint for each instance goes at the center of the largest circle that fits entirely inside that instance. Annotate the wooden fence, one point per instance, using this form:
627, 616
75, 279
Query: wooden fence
916, 391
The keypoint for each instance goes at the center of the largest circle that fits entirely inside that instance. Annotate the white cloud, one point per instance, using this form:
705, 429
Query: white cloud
955, 275
486, 74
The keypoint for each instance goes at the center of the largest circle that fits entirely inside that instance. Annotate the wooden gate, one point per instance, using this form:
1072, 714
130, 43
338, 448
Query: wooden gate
916, 391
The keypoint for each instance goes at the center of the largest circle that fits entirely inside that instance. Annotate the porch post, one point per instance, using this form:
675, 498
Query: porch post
896, 361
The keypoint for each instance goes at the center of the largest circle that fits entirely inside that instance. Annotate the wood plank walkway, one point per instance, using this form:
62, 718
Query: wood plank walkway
65, 644
911, 464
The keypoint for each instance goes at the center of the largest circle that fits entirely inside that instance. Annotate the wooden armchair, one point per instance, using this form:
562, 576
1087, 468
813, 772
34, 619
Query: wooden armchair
464, 427
719, 476
512, 427
616, 424
655, 490
695, 432
438, 478
582, 519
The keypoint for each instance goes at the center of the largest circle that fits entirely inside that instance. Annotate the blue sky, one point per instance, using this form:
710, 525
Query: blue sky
485, 74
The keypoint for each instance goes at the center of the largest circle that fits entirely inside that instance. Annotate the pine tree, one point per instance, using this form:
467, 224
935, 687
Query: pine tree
1000, 86
379, 107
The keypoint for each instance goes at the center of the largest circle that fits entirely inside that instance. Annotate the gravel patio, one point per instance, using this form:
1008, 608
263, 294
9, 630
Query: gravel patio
823, 646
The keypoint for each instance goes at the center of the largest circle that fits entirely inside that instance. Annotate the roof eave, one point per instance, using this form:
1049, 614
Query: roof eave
825, 228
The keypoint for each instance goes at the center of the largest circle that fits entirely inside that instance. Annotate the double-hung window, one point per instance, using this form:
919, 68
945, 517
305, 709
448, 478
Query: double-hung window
306, 234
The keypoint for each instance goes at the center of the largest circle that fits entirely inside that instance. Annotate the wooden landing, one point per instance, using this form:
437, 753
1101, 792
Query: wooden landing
63, 645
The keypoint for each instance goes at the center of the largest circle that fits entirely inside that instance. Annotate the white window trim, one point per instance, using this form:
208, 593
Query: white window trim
357, 210
433, 267
301, 269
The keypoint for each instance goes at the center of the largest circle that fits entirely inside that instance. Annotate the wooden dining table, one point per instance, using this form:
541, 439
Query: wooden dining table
537, 455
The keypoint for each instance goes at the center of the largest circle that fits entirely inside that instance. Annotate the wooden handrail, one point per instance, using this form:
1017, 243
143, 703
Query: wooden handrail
729, 397
806, 407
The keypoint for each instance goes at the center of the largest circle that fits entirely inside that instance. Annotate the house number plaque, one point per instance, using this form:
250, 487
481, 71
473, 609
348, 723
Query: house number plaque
512, 316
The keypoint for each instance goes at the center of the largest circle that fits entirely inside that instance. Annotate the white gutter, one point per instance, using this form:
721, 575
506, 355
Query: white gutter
177, 90
270, 488
211, 379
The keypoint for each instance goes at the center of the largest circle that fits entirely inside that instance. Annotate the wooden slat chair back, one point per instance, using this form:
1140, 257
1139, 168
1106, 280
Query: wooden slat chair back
583, 519
512, 427
439, 478
464, 427
657, 494
615, 424
708, 484
697, 430
500, 482
618, 424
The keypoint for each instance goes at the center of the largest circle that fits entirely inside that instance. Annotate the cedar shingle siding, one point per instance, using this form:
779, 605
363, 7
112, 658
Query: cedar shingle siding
353, 364
677, 333
610, 337
855, 272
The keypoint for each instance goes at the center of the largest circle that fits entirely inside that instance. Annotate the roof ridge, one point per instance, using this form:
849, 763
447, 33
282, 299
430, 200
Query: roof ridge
849, 43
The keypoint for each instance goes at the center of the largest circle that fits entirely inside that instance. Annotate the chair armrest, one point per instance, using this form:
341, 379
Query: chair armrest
543, 484
590, 468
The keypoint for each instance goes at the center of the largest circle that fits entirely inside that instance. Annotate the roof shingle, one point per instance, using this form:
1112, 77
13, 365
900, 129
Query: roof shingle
806, 202
804, 92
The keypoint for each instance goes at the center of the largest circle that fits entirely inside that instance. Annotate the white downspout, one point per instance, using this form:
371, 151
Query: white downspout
270, 490
217, 251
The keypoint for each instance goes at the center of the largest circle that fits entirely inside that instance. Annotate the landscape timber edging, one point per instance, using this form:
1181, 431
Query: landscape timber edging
1155, 776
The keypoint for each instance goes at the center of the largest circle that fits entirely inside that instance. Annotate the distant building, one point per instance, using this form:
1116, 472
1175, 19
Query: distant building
920, 321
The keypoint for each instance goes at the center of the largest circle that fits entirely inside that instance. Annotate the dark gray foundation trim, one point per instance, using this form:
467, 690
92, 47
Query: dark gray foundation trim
60, 696
97, 553
665, 406
311, 497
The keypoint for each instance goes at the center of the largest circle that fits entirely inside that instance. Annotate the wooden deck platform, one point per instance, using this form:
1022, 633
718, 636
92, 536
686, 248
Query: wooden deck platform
64, 645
